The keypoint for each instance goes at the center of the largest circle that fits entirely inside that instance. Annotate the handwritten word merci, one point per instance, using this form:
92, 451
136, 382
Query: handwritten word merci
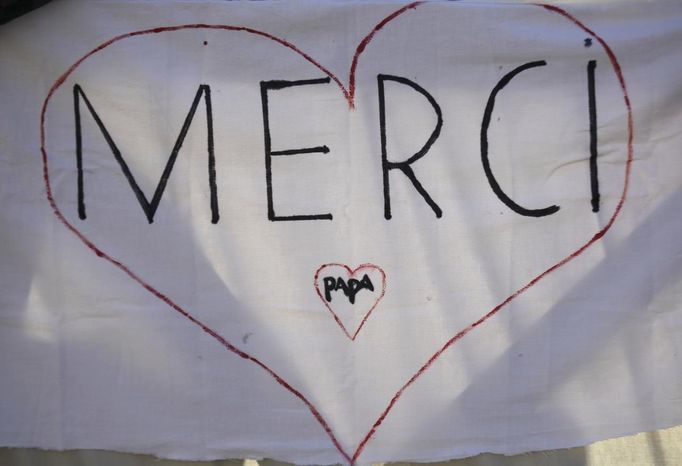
388, 164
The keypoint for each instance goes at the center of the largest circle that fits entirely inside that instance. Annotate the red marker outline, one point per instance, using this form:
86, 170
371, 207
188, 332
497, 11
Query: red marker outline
351, 273
349, 94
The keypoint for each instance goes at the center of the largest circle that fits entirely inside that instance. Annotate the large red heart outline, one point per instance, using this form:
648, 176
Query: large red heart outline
348, 91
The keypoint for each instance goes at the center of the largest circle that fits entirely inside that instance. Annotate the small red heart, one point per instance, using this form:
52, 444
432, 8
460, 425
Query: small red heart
360, 302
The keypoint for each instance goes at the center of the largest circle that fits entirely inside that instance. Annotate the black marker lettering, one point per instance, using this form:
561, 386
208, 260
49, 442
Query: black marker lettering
329, 286
149, 207
349, 289
484, 146
594, 179
269, 153
366, 283
404, 166
341, 285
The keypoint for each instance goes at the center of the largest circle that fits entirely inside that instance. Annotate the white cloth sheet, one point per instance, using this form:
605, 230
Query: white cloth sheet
331, 232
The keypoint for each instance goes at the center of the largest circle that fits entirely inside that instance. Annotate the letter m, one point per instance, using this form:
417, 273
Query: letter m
149, 207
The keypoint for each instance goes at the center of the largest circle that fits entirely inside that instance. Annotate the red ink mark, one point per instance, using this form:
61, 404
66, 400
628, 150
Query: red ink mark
363, 44
352, 273
628, 167
349, 95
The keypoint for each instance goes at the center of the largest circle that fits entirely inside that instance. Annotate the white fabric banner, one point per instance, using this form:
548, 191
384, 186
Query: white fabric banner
339, 232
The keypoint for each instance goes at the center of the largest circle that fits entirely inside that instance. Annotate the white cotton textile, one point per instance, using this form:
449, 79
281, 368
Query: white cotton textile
386, 231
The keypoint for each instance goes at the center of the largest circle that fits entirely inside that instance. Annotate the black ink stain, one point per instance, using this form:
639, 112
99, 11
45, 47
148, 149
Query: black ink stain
588, 42
205, 42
